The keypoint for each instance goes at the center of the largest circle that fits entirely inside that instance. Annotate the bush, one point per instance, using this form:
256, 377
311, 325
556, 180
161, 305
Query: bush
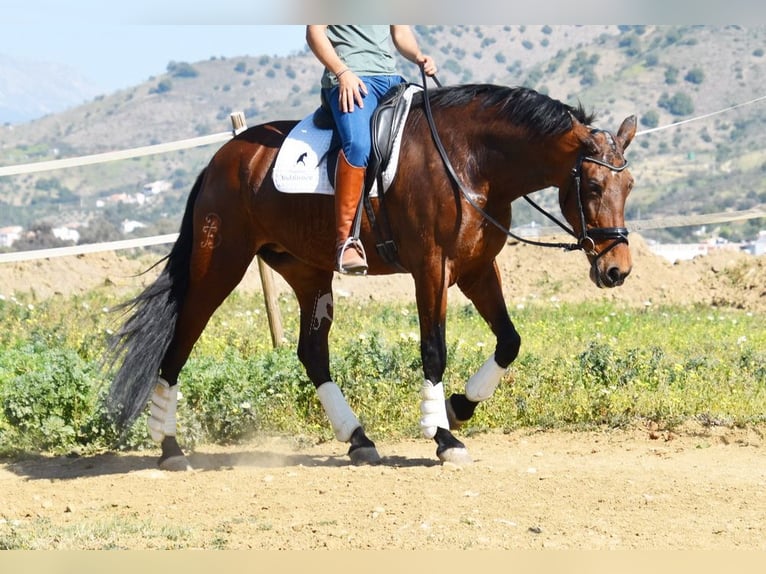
49, 402
650, 119
162, 87
181, 70
695, 76
671, 75
679, 104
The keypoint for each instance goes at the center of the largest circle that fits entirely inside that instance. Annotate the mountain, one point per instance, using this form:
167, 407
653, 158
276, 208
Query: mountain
663, 74
30, 89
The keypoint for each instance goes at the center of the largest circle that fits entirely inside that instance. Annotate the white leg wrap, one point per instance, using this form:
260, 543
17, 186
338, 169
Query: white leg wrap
483, 383
162, 410
432, 408
342, 418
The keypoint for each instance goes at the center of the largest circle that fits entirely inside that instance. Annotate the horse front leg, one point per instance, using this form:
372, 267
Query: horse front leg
316, 303
432, 311
485, 291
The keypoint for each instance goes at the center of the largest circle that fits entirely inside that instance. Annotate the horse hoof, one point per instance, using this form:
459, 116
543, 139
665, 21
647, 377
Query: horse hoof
175, 464
454, 422
456, 456
364, 455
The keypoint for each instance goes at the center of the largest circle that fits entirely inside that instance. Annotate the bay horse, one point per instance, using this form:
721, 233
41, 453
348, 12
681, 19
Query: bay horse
448, 215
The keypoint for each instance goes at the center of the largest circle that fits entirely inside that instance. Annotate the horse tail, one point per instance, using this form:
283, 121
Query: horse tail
142, 341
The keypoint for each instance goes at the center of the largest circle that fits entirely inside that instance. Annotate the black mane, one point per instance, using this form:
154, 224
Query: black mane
523, 106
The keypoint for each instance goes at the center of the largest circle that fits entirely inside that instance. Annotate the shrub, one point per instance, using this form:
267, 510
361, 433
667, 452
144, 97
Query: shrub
671, 75
650, 119
695, 76
181, 70
162, 87
49, 401
680, 104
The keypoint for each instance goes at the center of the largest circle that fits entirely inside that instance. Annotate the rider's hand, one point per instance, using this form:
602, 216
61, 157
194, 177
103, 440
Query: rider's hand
351, 90
428, 64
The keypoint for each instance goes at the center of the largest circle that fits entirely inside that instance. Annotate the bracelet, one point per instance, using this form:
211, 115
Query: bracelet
337, 76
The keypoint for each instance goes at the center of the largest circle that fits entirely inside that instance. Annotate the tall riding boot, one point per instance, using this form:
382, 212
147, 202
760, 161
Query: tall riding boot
349, 182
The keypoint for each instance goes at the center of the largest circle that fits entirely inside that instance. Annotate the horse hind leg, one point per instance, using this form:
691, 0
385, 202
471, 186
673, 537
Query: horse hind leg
346, 425
163, 405
314, 292
206, 292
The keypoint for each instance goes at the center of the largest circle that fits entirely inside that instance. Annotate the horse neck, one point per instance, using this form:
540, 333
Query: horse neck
523, 166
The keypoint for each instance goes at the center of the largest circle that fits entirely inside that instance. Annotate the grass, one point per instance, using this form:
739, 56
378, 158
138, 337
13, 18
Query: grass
581, 366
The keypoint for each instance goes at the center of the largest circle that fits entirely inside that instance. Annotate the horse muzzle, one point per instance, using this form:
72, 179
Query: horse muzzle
609, 254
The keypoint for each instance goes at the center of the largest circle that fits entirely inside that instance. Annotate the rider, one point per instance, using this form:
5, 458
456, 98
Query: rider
359, 70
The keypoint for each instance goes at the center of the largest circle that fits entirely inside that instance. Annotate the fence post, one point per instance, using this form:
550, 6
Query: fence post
267, 275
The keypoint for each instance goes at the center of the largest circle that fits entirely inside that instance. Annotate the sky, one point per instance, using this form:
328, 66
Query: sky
117, 56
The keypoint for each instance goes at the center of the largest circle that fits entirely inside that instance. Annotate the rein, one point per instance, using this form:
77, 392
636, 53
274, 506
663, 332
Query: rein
586, 241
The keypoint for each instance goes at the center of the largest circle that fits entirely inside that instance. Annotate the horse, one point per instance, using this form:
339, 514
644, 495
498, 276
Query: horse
468, 151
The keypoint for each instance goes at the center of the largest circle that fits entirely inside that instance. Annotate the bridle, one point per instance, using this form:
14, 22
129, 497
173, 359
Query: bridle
588, 237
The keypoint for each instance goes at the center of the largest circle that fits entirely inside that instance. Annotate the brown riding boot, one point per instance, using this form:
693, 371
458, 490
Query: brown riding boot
349, 182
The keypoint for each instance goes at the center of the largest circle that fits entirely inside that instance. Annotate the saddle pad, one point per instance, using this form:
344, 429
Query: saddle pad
301, 165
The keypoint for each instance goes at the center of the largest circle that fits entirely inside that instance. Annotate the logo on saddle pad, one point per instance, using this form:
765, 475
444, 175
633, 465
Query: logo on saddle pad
310, 145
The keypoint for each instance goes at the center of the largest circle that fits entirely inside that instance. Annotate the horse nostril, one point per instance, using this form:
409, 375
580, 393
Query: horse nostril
615, 275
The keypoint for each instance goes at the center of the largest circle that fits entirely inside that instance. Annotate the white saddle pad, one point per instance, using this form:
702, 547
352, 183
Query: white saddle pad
301, 165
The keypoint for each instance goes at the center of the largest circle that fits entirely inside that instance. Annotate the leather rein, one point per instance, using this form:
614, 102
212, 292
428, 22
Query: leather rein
587, 239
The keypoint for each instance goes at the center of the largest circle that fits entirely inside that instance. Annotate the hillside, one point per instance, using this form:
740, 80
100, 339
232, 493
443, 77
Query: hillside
664, 74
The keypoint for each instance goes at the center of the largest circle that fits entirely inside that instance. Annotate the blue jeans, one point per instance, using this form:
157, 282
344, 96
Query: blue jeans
354, 127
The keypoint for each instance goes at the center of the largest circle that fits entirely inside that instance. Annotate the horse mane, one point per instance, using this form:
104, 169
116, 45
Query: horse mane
537, 113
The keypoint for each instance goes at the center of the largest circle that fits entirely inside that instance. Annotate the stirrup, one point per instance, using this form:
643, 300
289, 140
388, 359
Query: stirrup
351, 243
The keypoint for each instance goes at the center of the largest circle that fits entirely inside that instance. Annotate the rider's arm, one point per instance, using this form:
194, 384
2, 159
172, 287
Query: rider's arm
405, 41
351, 88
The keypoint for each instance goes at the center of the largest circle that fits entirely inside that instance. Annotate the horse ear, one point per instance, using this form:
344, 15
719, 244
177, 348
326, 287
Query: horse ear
627, 131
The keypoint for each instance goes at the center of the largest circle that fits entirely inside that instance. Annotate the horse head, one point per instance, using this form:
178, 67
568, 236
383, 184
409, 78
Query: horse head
593, 200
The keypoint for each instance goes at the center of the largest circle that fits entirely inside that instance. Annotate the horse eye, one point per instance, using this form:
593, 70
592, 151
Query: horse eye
594, 187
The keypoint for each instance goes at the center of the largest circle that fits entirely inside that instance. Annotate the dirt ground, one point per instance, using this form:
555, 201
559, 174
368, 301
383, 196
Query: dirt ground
641, 488
525, 490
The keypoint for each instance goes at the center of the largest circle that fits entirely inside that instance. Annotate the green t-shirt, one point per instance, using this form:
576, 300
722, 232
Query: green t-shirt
366, 50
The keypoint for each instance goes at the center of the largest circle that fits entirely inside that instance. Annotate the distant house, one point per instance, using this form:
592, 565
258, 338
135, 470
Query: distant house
157, 187
66, 234
759, 245
9, 235
129, 226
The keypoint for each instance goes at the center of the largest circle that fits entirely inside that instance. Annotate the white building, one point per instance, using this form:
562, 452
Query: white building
129, 226
9, 235
759, 245
66, 234
156, 187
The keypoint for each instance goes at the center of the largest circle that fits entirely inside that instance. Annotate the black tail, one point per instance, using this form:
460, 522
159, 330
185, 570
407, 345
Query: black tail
142, 341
